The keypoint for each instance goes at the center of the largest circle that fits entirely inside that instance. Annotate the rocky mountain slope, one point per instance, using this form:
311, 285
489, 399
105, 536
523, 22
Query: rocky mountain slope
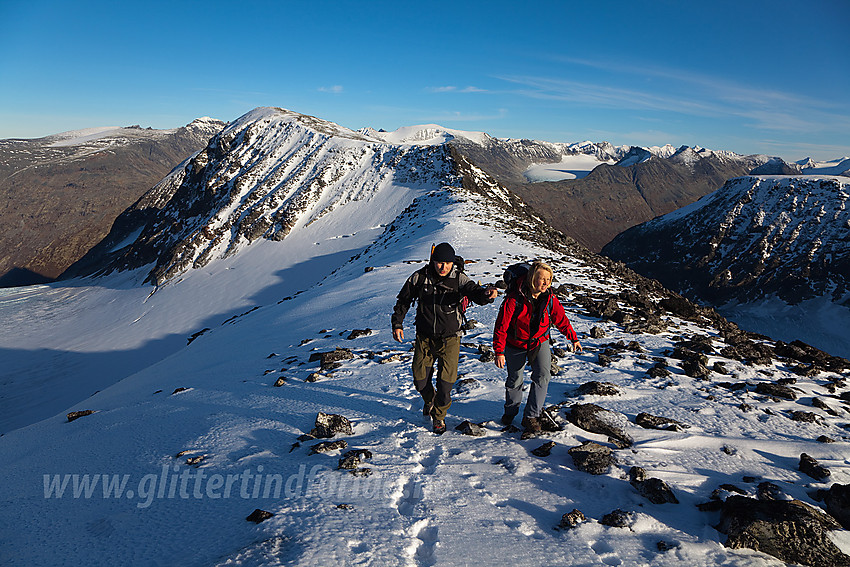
255, 409
636, 184
59, 195
754, 239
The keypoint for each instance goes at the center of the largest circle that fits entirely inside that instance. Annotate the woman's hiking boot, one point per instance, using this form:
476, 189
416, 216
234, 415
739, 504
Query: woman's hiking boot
439, 426
531, 425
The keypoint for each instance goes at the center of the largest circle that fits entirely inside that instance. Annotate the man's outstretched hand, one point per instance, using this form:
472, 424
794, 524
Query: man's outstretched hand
398, 335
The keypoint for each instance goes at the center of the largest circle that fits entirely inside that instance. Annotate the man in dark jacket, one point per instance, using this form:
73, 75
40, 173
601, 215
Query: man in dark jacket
439, 289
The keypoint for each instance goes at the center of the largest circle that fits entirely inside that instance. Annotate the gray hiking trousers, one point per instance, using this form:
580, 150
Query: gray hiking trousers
541, 372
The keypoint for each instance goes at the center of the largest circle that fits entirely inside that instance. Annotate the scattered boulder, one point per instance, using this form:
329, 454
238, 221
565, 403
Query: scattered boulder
331, 359
775, 390
649, 421
769, 491
595, 419
809, 466
78, 414
696, 369
571, 519
544, 450
804, 416
280, 382
597, 333
653, 489
466, 385
258, 516
469, 428
659, 370
194, 461
595, 388
592, 458
328, 425
787, 529
357, 333
619, 519
837, 500
328, 446
352, 459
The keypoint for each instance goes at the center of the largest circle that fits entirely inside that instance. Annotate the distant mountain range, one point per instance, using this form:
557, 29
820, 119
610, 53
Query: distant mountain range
59, 195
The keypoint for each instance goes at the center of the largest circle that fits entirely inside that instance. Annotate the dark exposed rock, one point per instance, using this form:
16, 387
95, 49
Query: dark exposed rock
789, 530
196, 460
653, 489
328, 446
597, 333
357, 333
820, 404
619, 519
825, 439
719, 367
466, 385
469, 428
804, 416
603, 360
330, 358
544, 450
595, 419
328, 425
775, 390
280, 382
352, 459
837, 500
592, 458
649, 421
178, 390
809, 466
361, 472
696, 369
571, 519
595, 388
258, 516
78, 414
659, 371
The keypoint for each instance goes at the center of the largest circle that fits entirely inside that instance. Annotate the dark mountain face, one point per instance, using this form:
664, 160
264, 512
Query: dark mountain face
755, 237
596, 208
58, 198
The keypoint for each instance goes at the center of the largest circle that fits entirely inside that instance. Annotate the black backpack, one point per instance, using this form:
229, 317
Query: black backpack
513, 274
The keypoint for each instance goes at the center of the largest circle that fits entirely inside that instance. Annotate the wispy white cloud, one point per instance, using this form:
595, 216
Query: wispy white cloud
688, 93
336, 89
452, 89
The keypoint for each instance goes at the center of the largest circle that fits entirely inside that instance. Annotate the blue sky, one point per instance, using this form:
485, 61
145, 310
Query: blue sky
750, 76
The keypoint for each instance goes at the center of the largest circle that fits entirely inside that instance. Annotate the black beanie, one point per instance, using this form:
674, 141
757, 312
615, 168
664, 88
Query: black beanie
443, 253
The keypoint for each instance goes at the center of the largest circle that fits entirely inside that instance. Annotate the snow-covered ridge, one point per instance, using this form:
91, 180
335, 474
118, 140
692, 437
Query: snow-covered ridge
268, 173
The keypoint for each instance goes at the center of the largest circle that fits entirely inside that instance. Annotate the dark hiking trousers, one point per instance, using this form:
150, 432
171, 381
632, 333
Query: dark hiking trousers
445, 352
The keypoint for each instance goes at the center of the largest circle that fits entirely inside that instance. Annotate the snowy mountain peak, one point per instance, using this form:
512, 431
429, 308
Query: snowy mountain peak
268, 173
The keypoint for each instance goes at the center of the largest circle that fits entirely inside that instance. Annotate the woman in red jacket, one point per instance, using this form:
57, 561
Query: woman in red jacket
522, 335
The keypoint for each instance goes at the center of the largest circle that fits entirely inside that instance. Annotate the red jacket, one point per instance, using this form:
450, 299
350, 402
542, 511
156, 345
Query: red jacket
514, 321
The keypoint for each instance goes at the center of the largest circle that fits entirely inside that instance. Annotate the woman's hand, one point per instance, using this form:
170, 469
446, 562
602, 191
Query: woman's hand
500, 360
577, 347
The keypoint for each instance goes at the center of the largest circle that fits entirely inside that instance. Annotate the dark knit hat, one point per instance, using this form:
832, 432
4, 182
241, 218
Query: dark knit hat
443, 253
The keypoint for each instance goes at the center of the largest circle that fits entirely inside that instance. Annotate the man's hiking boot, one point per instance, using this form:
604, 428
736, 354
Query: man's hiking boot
439, 426
531, 425
427, 409
508, 418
